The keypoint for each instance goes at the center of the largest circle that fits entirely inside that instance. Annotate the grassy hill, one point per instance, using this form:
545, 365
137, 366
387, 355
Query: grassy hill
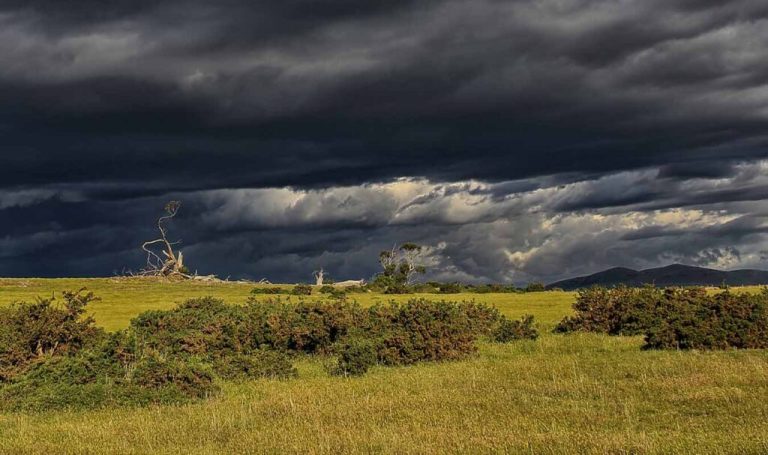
577, 393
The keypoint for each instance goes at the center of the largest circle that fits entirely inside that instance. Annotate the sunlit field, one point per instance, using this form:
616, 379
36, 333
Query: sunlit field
576, 393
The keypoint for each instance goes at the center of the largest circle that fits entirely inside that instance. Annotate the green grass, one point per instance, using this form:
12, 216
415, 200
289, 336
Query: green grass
578, 393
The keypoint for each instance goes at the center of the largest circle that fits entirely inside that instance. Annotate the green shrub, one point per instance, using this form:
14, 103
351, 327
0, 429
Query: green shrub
357, 289
332, 291
481, 318
450, 288
58, 383
616, 311
674, 318
421, 330
508, 330
92, 379
263, 363
305, 326
690, 319
355, 356
173, 377
425, 288
32, 331
204, 327
389, 284
55, 358
494, 288
302, 289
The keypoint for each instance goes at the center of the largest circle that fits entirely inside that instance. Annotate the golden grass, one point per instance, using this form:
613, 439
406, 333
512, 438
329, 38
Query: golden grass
579, 393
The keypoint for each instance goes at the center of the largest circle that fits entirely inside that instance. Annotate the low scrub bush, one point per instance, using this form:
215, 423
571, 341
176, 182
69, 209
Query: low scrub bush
450, 288
481, 318
332, 291
508, 330
425, 288
263, 363
93, 379
174, 376
616, 311
34, 331
674, 318
302, 289
204, 327
304, 326
422, 330
355, 356
690, 319
433, 287
163, 357
55, 357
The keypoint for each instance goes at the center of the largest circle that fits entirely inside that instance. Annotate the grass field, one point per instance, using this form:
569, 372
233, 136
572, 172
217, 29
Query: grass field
579, 393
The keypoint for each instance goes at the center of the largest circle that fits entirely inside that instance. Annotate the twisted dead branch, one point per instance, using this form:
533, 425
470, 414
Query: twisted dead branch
171, 263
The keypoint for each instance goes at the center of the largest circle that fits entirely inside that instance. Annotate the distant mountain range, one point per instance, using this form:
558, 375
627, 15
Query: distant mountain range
671, 275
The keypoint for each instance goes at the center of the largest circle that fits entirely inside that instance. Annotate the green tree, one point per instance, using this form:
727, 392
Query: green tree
401, 265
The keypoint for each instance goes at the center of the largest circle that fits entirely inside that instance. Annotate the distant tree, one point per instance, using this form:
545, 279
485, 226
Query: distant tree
400, 265
409, 266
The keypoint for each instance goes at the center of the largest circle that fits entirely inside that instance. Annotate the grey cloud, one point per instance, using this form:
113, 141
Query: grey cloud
540, 138
450, 90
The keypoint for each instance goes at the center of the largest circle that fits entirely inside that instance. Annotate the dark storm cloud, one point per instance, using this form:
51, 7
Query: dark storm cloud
450, 90
527, 115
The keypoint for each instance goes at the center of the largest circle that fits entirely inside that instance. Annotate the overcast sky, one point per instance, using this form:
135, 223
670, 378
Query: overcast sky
518, 140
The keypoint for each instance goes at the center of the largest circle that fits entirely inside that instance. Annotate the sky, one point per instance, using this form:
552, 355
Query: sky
517, 140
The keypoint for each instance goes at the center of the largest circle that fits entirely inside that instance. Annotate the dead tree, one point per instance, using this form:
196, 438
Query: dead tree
171, 263
319, 275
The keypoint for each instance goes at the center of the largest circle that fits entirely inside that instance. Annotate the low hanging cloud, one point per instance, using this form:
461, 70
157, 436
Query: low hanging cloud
478, 232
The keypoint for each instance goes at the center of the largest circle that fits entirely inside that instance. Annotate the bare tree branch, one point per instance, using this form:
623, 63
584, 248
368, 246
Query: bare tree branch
172, 264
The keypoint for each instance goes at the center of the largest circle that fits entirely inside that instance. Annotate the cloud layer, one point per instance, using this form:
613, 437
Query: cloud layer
520, 140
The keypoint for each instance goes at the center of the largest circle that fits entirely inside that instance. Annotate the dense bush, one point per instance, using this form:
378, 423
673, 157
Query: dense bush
92, 378
674, 318
173, 376
355, 356
387, 284
450, 288
204, 327
163, 357
33, 331
690, 319
421, 330
302, 289
332, 291
616, 311
56, 358
263, 363
299, 289
305, 326
508, 330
